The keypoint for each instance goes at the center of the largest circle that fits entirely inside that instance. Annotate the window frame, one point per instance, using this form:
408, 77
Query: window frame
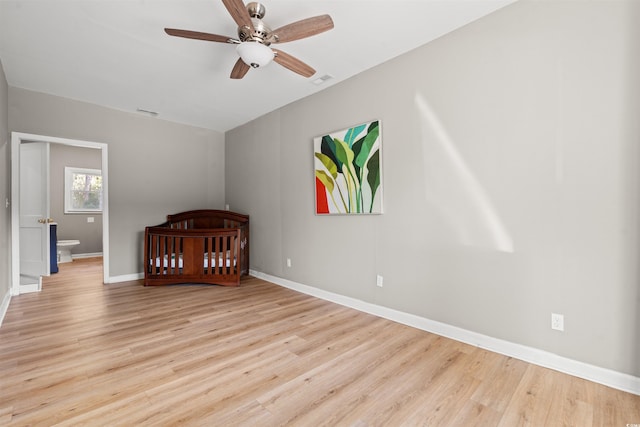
69, 172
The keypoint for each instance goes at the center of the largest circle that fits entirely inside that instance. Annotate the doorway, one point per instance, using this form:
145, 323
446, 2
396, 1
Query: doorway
22, 138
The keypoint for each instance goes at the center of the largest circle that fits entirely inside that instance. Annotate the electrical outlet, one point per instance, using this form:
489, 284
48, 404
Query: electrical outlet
90, 219
379, 281
557, 322
288, 262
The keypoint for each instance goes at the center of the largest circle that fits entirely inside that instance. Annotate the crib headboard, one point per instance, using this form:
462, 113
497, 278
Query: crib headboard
207, 219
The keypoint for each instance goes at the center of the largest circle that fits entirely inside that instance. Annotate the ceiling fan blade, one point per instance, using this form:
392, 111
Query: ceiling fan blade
293, 64
304, 28
239, 13
199, 36
239, 69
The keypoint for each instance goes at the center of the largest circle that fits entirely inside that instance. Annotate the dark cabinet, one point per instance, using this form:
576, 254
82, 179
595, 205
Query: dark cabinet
53, 246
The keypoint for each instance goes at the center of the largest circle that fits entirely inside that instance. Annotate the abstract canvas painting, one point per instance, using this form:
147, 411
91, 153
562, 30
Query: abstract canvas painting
348, 170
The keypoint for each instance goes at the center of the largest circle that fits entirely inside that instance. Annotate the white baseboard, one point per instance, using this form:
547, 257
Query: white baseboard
125, 278
29, 284
87, 255
5, 306
608, 377
30, 288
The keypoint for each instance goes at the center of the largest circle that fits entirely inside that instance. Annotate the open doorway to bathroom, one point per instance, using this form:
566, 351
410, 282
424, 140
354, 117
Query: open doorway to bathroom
78, 225
61, 152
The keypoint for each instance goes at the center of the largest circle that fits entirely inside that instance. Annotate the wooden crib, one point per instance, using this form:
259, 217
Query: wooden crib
200, 246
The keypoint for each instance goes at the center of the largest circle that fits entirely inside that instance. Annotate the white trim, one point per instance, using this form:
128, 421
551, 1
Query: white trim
5, 306
86, 255
15, 214
125, 278
16, 139
608, 377
32, 287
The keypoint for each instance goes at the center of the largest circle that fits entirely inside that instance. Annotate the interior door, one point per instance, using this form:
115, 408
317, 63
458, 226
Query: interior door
34, 212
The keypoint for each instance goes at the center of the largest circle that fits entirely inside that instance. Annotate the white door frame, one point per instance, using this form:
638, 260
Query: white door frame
16, 139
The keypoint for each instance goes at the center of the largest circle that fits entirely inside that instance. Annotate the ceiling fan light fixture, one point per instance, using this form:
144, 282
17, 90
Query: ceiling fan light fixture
255, 54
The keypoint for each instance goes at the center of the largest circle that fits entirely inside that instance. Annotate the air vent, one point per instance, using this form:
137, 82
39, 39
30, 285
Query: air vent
149, 112
322, 79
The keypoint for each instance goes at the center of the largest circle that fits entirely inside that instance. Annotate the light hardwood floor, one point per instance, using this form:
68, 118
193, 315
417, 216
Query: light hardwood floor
82, 353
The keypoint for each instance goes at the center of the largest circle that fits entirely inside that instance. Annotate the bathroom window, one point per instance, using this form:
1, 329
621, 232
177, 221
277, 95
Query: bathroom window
82, 190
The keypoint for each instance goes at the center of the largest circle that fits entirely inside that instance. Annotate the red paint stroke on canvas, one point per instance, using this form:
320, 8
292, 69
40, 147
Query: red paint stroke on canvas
322, 205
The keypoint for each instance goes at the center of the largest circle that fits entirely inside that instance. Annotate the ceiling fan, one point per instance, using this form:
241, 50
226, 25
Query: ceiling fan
255, 37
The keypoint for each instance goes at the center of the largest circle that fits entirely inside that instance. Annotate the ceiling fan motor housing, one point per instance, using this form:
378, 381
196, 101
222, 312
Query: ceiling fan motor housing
261, 32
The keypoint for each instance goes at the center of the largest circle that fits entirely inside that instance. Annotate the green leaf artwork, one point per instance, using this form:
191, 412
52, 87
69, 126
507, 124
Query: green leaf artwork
348, 171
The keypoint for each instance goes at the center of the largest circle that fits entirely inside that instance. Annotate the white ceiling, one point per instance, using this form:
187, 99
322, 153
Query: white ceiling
115, 53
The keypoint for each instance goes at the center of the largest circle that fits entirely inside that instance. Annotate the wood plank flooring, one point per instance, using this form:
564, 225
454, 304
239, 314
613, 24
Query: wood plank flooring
82, 353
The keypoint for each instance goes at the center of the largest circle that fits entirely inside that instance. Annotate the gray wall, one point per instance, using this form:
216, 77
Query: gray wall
5, 187
155, 167
74, 226
510, 151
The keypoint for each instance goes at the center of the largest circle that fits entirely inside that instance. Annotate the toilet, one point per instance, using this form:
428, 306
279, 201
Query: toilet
64, 250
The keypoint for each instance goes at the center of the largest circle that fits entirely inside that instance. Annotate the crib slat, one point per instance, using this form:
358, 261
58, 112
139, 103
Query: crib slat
162, 254
154, 254
225, 248
170, 267
216, 255
209, 269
